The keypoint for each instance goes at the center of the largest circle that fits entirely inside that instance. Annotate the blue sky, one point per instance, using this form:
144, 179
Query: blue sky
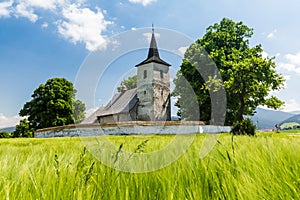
44, 39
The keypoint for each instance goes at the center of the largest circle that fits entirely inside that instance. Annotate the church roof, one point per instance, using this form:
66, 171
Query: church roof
121, 102
153, 54
93, 117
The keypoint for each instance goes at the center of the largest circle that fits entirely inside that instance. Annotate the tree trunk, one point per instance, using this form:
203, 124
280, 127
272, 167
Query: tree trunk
242, 100
241, 111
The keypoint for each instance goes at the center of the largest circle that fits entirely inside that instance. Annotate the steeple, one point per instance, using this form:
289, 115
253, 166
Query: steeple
153, 54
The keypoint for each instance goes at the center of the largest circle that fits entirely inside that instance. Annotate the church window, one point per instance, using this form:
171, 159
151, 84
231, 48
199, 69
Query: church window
145, 74
144, 92
161, 74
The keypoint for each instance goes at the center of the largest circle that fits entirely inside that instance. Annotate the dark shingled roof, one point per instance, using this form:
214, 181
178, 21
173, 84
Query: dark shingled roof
121, 102
93, 117
153, 54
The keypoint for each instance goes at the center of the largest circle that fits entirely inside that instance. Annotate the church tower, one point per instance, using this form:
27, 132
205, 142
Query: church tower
153, 86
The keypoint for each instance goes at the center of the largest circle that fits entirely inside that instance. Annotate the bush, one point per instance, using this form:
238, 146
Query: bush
244, 127
4, 134
22, 130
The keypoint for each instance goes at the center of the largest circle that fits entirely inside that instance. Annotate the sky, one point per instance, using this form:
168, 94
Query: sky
44, 39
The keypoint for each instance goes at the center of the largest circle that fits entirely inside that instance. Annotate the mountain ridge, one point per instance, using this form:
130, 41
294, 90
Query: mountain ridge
266, 119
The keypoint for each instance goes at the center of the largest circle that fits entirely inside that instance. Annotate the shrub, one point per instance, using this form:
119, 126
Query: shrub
4, 134
23, 130
245, 127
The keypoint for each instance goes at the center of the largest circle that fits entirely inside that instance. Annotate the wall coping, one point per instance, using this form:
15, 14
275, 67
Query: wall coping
122, 124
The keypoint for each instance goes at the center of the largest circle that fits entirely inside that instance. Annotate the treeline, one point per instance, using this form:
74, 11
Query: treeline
52, 104
22, 130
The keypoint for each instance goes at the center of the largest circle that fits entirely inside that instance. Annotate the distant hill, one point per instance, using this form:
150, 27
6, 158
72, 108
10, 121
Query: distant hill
8, 129
295, 112
268, 118
293, 119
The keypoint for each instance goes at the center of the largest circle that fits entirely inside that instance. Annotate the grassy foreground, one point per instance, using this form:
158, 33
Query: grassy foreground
262, 167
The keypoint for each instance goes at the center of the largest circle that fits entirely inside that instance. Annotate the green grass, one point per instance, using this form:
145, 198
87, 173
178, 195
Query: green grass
263, 167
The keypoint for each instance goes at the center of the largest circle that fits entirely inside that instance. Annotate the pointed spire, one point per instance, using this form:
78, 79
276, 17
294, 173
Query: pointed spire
153, 50
152, 28
153, 54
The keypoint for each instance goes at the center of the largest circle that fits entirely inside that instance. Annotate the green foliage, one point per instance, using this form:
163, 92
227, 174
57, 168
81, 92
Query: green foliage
4, 134
262, 167
130, 83
191, 90
245, 127
248, 77
79, 111
22, 130
53, 104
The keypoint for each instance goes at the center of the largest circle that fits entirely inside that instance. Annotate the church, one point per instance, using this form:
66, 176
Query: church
150, 101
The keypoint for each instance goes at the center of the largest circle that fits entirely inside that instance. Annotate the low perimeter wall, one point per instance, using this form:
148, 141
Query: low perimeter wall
130, 128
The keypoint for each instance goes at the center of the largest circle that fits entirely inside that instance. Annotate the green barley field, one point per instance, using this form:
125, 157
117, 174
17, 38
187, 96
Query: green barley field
266, 166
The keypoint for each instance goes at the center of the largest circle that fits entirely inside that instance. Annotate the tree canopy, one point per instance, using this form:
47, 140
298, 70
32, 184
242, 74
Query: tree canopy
248, 77
53, 104
130, 83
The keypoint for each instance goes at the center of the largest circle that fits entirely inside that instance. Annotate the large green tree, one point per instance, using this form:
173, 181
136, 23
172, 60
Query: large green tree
52, 104
248, 77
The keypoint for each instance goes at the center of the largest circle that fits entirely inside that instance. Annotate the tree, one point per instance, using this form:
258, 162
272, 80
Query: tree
247, 76
79, 111
4, 134
23, 130
52, 104
130, 83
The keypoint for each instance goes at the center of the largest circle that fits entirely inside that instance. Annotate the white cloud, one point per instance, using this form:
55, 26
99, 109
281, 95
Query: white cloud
74, 22
264, 54
9, 121
45, 25
47, 4
287, 77
133, 29
294, 59
5, 8
149, 35
182, 50
291, 105
272, 35
290, 67
27, 8
143, 2
28, 12
84, 25
292, 63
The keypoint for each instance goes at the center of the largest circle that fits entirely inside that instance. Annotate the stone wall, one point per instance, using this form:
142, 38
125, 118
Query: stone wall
130, 128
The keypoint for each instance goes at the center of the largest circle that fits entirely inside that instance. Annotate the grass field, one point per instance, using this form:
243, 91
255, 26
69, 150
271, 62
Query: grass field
263, 167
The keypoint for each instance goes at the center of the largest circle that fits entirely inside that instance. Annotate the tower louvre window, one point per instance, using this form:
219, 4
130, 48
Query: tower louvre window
145, 74
161, 74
